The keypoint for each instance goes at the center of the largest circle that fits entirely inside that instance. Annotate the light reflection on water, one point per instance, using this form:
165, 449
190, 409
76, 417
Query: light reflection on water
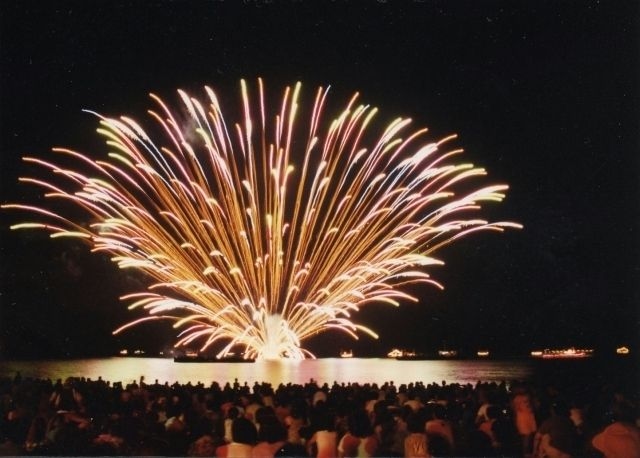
373, 370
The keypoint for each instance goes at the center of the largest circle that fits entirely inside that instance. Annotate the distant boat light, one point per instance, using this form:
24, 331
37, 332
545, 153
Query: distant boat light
448, 353
395, 353
562, 353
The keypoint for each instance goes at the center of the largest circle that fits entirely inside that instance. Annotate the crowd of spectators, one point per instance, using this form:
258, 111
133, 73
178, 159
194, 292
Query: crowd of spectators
84, 417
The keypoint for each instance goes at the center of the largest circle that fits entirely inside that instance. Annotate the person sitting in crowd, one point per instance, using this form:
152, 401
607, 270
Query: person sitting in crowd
557, 435
243, 438
324, 439
415, 443
272, 437
622, 437
360, 440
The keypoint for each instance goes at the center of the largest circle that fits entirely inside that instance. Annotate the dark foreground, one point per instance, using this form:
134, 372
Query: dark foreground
87, 417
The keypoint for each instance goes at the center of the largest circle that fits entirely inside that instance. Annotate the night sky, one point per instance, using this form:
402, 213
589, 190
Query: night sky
543, 94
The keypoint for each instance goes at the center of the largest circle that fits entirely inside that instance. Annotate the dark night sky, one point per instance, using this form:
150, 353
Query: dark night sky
543, 94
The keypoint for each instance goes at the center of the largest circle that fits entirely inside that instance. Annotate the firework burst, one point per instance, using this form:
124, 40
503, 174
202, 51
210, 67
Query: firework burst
263, 233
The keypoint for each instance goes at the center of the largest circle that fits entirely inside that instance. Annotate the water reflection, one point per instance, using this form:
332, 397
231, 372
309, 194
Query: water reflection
328, 371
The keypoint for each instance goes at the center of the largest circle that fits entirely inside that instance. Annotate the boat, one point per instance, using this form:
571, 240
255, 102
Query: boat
137, 353
346, 354
482, 353
622, 350
405, 355
447, 353
395, 353
190, 357
562, 353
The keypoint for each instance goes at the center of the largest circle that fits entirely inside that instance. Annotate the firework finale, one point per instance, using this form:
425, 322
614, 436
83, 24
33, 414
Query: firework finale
262, 231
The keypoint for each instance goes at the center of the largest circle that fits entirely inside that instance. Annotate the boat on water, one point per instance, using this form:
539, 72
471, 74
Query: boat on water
137, 353
447, 353
346, 354
197, 358
562, 353
411, 355
406, 355
395, 353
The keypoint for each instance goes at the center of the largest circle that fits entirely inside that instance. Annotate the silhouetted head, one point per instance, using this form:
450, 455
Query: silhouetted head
244, 431
560, 408
272, 431
359, 423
